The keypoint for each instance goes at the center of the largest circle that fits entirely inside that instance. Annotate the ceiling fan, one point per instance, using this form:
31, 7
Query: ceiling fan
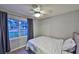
37, 10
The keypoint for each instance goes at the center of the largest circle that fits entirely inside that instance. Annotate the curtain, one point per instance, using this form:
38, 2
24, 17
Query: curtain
30, 28
4, 40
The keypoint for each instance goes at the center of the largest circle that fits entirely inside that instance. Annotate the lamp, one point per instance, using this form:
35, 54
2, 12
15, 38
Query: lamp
37, 14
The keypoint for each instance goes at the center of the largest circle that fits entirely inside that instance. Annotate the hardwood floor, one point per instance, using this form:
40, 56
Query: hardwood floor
21, 51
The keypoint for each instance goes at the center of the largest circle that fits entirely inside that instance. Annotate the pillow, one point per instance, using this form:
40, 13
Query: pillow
69, 44
76, 38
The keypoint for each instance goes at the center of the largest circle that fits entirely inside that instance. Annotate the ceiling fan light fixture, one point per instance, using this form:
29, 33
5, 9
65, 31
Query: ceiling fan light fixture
37, 14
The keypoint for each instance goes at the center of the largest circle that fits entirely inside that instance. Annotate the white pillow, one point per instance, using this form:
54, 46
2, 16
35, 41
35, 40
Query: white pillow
68, 44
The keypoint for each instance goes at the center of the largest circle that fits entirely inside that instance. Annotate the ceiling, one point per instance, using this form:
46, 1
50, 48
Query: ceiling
52, 9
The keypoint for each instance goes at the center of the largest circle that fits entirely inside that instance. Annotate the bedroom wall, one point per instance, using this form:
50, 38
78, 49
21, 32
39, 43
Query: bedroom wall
61, 26
36, 28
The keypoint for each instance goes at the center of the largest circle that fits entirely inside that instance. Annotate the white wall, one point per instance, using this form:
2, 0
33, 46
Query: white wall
61, 26
36, 28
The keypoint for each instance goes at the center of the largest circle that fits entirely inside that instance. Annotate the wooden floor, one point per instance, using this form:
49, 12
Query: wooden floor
21, 51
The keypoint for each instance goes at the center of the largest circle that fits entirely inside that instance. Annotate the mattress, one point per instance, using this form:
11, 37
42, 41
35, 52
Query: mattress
45, 45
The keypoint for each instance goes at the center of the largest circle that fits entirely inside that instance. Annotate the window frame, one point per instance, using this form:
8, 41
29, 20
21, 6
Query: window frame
19, 34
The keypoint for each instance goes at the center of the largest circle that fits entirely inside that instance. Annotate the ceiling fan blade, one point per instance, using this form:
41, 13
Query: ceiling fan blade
37, 9
44, 12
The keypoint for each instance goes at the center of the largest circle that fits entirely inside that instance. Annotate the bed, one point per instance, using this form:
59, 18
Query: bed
46, 45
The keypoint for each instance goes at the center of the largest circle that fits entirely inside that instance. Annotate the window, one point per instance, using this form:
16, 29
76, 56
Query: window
13, 28
17, 28
23, 28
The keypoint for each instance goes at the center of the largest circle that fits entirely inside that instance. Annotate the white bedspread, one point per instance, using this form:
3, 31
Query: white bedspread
46, 44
